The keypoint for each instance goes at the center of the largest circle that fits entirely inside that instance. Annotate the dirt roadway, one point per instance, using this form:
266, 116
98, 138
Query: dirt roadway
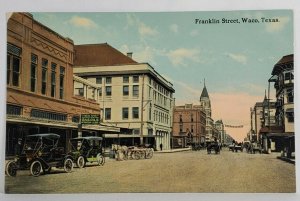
168, 172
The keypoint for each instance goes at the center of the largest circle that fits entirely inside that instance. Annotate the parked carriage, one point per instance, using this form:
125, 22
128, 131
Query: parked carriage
253, 148
132, 152
87, 150
213, 146
40, 153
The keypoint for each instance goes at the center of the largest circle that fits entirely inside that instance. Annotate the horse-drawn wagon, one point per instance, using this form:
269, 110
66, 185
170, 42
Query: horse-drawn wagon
132, 152
213, 146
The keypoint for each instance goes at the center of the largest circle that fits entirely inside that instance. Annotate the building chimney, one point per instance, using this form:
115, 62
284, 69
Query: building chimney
129, 54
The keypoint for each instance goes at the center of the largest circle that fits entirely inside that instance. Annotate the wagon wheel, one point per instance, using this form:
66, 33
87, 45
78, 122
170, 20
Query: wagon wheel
80, 162
68, 165
150, 154
137, 155
11, 168
36, 168
100, 159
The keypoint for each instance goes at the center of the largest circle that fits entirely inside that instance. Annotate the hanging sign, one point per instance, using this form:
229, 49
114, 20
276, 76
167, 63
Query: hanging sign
230, 126
90, 119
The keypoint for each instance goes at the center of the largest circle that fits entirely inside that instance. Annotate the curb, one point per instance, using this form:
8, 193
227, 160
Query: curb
173, 150
286, 159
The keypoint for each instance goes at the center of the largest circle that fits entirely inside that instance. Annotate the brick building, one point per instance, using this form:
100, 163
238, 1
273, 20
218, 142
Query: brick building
40, 96
188, 125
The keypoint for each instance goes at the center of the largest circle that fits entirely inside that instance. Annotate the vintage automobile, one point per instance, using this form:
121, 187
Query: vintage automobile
40, 153
87, 149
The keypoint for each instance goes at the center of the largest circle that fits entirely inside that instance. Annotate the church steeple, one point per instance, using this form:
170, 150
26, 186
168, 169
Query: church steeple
204, 93
205, 101
265, 101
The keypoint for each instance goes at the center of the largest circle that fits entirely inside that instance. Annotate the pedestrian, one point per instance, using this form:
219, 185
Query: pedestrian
161, 146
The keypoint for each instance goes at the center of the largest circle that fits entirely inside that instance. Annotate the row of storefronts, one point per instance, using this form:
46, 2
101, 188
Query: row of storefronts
272, 123
50, 85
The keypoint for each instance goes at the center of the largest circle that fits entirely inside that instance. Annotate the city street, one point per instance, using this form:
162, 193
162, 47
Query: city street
189, 171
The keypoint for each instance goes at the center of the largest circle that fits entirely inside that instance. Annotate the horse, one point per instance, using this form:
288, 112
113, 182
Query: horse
121, 151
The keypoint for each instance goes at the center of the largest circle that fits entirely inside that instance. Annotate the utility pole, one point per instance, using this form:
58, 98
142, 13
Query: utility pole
142, 111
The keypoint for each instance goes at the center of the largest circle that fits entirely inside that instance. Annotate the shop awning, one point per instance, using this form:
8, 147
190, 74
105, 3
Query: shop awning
59, 124
289, 110
280, 134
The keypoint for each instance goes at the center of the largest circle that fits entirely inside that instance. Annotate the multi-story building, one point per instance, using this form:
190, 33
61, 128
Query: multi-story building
189, 122
262, 120
132, 95
205, 103
40, 95
220, 127
256, 115
283, 76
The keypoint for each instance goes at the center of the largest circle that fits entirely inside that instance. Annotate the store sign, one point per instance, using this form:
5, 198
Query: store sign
90, 119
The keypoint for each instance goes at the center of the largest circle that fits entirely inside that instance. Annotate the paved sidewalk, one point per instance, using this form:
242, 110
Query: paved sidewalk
173, 150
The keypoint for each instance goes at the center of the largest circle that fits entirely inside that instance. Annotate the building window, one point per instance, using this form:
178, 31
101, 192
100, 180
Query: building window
135, 90
108, 90
180, 128
53, 79
192, 128
108, 80
100, 91
13, 110
107, 113
125, 79
48, 115
180, 118
135, 79
98, 80
44, 76
136, 131
34, 61
290, 116
125, 113
75, 119
80, 91
125, 90
135, 112
290, 95
192, 118
61, 82
289, 76
13, 64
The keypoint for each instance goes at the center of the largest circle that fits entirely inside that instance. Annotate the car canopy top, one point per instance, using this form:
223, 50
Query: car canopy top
45, 135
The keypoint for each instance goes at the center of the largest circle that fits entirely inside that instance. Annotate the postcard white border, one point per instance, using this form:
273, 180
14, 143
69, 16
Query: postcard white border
146, 6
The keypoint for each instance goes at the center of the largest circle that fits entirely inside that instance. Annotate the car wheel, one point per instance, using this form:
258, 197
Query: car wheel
100, 159
80, 162
11, 169
36, 168
68, 165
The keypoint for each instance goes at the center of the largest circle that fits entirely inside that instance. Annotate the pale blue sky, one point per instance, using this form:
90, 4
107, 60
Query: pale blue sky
230, 56
236, 60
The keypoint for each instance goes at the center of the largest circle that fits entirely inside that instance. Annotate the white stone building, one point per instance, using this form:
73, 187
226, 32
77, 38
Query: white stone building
131, 95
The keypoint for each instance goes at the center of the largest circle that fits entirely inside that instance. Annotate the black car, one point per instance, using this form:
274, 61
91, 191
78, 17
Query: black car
87, 149
40, 153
